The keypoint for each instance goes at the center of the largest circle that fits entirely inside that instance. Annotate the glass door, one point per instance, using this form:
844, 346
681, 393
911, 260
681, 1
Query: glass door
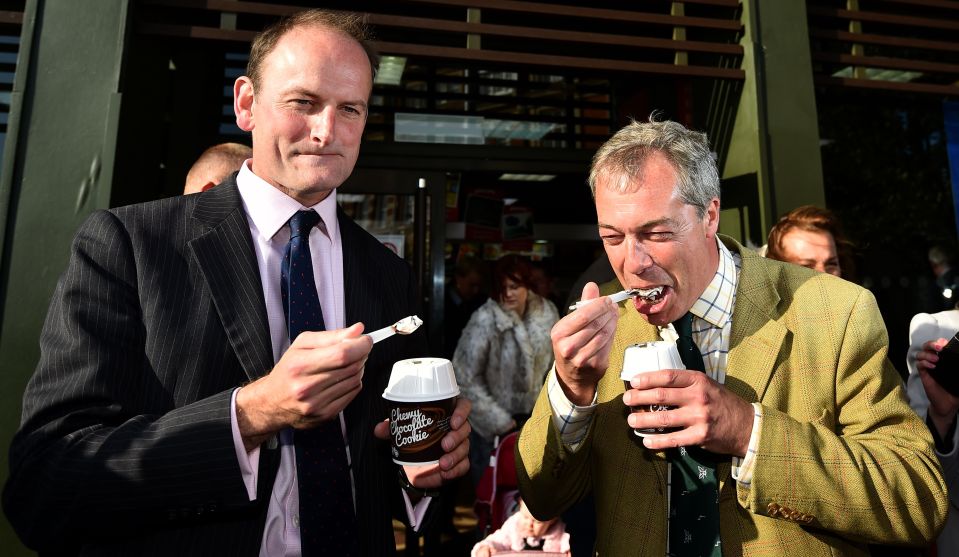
403, 209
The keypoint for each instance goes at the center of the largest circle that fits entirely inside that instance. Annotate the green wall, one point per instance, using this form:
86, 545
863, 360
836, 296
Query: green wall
58, 167
776, 132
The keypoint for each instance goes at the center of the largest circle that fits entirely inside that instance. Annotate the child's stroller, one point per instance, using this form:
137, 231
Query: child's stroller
497, 492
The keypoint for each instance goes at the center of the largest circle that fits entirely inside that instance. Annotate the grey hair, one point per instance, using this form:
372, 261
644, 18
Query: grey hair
624, 156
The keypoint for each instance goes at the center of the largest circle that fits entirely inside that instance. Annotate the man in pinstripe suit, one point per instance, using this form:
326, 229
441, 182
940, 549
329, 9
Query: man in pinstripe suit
152, 424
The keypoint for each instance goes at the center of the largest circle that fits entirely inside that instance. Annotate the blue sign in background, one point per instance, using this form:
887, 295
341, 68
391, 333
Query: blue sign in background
950, 115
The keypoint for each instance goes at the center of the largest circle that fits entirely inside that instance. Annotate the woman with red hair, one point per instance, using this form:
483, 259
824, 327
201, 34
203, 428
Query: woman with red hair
503, 356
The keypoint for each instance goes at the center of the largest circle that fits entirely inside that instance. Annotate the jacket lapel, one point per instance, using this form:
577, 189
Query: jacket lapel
356, 267
757, 334
357, 299
224, 254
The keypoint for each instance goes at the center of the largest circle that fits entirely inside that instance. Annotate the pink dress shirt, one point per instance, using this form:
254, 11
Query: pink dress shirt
268, 210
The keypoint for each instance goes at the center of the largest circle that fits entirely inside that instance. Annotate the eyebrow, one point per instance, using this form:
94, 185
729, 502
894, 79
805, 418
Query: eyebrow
642, 227
301, 92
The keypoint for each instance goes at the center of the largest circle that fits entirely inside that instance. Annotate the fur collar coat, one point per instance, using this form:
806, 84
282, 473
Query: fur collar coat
501, 360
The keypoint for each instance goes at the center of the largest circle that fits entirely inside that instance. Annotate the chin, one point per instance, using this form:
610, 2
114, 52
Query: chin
664, 316
657, 319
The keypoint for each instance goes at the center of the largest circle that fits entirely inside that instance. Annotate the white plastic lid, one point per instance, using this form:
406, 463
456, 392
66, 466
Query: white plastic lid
419, 379
650, 356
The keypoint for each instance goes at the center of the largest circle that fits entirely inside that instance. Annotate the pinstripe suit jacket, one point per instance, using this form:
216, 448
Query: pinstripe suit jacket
841, 459
125, 445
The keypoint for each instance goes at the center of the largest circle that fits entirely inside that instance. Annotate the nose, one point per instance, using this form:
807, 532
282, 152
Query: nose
637, 258
322, 125
819, 266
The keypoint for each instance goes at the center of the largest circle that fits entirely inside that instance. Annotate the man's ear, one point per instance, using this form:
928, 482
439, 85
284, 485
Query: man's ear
243, 103
711, 218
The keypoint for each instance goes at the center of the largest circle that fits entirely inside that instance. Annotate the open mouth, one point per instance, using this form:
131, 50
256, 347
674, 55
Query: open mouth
651, 295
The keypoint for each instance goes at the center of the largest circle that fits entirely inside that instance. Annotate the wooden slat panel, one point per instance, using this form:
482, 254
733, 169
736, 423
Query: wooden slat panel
898, 41
196, 32
592, 13
260, 8
505, 57
230, 6
884, 62
892, 19
560, 31
950, 90
886, 40
555, 35
944, 4
11, 18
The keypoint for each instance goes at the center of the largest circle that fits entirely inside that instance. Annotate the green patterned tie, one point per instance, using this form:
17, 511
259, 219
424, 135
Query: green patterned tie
694, 520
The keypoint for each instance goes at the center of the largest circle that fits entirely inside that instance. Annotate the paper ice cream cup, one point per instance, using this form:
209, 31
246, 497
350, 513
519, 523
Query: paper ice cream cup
421, 395
644, 358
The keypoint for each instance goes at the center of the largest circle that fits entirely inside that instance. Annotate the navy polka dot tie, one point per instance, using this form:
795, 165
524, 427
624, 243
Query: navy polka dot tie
694, 512
327, 517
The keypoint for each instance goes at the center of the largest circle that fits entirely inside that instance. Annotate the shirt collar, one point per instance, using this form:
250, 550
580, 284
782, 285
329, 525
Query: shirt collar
715, 304
270, 209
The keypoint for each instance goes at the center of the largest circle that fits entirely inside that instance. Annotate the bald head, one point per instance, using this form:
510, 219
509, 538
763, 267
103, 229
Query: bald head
214, 165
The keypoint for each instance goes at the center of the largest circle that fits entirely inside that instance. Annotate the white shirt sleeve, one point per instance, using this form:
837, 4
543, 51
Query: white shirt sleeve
249, 461
572, 421
743, 468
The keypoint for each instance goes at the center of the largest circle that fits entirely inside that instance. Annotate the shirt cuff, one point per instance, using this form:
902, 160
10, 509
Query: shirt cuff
249, 461
572, 421
415, 512
743, 467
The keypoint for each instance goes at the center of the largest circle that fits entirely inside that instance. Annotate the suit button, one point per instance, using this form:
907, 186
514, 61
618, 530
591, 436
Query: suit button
773, 510
807, 519
795, 515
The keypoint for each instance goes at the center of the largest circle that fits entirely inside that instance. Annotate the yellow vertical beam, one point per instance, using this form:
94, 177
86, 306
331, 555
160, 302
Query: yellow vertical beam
474, 15
681, 58
776, 129
474, 41
855, 26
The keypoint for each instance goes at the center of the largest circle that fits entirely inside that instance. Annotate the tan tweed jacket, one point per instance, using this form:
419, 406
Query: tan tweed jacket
841, 460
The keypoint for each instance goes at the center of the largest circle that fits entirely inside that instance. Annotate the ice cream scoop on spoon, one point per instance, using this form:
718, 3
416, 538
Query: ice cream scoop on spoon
650, 294
404, 326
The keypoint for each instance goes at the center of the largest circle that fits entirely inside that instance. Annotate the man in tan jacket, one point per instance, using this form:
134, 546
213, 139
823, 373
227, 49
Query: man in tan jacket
793, 438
